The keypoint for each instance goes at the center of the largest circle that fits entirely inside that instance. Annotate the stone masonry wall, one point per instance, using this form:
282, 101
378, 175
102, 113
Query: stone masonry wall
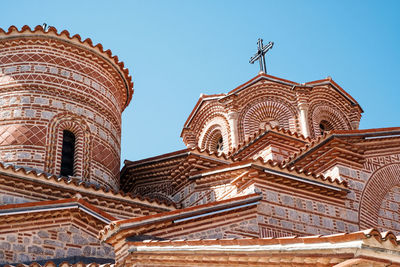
61, 240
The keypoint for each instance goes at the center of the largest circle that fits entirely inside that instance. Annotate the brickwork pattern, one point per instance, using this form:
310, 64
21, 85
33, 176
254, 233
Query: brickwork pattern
389, 212
378, 191
278, 104
47, 86
266, 109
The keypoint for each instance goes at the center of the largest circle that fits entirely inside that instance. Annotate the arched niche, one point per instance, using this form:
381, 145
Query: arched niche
383, 183
265, 112
215, 136
326, 118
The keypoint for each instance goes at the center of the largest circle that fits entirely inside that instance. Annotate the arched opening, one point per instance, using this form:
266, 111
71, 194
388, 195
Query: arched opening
215, 142
325, 126
67, 154
220, 145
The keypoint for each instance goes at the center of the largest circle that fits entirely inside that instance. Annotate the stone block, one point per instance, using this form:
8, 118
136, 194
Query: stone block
37, 240
298, 203
43, 234
41, 101
321, 207
309, 205
18, 248
393, 206
340, 226
25, 99
287, 224
57, 104
287, 200
40, 68
30, 113
47, 115
71, 252
12, 238
315, 219
305, 217
37, 250
60, 253
23, 258
79, 240
64, 237
271, 196
5, 246
86, 251
352, 216
273, 221
293, 215
280, 211
327, 223
53, 243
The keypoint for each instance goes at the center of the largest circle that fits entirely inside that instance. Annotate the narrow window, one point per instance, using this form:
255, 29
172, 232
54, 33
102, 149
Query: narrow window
67, 156
325, 126
220, 145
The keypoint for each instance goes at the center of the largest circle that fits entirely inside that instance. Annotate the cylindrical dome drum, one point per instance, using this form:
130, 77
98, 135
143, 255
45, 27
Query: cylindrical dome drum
61, 101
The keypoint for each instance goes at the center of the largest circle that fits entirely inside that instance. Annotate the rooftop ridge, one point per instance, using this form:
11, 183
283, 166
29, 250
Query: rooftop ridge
332, 238
271, 164
255, 136
82, 184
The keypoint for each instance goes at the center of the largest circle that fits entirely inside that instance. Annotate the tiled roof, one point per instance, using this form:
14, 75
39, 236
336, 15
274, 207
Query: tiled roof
273, 165
63, 264
328, 136
332, 239
336, 86
42, 206
178, 153
255, 137
115, 227
13, 32
261, 76
202, 98
363, 248
39, 176
264, 76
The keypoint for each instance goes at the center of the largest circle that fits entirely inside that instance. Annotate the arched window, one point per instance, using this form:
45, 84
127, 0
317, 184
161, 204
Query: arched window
67, 154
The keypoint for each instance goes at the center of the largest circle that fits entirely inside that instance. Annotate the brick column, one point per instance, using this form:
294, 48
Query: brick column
232, 118
303, 112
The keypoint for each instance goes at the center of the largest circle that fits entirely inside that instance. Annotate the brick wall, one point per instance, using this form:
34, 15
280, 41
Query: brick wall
47, 86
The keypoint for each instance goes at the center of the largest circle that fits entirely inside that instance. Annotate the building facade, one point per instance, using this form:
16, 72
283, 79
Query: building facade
275, 172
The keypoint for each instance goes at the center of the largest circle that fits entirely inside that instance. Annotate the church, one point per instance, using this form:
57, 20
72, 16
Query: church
274, 173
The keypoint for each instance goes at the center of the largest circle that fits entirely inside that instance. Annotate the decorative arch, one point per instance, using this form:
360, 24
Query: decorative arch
264, 111
77, 126
329, 116
213, 131
380, 183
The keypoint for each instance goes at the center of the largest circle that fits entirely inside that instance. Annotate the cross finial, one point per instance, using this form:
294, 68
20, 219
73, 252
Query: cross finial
260, 55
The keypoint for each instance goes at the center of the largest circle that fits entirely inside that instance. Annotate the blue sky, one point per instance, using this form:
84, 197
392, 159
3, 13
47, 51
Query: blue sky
176, 50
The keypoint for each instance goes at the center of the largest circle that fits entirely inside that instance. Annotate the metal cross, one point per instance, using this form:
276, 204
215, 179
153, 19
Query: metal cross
260, 56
